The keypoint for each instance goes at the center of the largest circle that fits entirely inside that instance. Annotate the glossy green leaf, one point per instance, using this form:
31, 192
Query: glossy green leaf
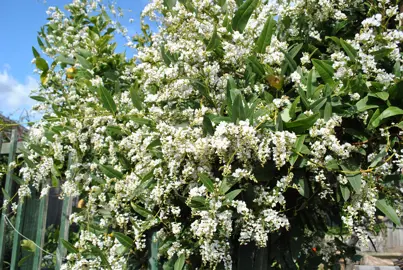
106, 99
180, 262
389, 112
350, 51
289, 60
207, 182
110, 171
265, 37
302, 125
38, 98
243, 14
355, 182
303, 187
83, 62
70, 248
141, 210
208, 125
388, 210
123, 239
233, 194
41, 64
35, 52
135, 96
257, 67
325, 70
64, 60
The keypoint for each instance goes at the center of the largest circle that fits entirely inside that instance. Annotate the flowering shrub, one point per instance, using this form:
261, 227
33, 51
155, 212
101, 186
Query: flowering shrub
238, 129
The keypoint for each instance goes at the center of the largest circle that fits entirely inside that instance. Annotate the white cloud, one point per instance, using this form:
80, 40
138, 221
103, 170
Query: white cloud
14, 95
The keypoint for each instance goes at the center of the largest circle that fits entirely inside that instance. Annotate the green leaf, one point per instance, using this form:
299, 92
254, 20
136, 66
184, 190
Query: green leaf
5, 193
203, 90
180, 262
388, 210
70, 248
345, 192
289, 60
41, 64
141, 210
351, 52
28, 245
378, 158
362, 105
17, 179
243, 14
214, 42
355, 182
208, 125
396, 69
166, 56
379, 54
328, 111
303, 187
106, 99
64, 60
237, 109
309, 86
123, 239
265, 37
24, 259
35, 52
38, 98
169, 4
135, 96
232, 195
302, 125
207, 182
101, 254
110, 171
325, 70
389, 112
381, 95
256, 66
83, 62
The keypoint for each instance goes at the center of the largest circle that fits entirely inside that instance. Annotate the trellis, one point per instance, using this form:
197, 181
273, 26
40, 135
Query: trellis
30, 219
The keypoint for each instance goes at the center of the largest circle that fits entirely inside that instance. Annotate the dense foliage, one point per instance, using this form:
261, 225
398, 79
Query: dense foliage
256, 129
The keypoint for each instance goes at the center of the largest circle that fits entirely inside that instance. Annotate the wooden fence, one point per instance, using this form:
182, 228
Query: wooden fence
31, 218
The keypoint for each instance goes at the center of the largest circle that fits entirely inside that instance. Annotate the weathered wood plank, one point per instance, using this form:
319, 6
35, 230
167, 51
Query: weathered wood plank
64, 225
5, 148
40, 231
8, 189
16, 238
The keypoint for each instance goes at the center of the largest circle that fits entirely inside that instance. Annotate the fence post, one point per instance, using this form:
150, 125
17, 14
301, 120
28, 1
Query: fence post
8, 189
40, 231
64, 225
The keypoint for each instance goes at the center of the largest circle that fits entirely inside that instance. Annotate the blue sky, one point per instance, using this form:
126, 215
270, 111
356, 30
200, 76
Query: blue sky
19, 22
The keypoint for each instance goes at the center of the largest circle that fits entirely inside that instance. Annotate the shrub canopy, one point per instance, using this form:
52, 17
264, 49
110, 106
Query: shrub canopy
237, 125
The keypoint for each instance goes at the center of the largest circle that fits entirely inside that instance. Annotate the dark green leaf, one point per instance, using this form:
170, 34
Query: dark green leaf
70, 248
141, 210
101, 255
41, 64
123, 239
24, 259
388, 210
382, 53
135, 96
355, 182
208, 125
207, 182
389, 112
325, 70
38, 98
110, 171
289, 60
351, 52
256, 66
35, 52
303, 187
106, 99
302, 125
243, 14
309, 86
265, 37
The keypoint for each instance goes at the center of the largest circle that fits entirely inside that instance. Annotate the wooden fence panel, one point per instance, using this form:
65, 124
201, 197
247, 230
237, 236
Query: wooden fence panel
8, 189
